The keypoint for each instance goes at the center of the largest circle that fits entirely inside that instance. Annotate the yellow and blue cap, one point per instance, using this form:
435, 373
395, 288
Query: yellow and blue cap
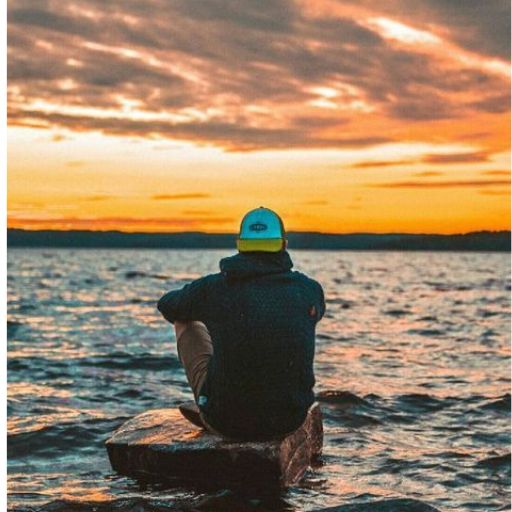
261, 230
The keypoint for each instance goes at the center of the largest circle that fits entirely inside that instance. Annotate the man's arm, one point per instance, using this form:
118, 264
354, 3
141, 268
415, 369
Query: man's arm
322, 301
188, 303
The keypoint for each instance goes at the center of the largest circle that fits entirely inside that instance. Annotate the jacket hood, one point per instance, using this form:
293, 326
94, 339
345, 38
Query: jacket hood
251, 264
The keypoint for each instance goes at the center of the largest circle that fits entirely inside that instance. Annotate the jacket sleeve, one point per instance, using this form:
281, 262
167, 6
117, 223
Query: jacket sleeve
321, 301
188, 303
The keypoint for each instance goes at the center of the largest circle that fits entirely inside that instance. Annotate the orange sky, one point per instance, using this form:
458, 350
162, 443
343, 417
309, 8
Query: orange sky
341, 116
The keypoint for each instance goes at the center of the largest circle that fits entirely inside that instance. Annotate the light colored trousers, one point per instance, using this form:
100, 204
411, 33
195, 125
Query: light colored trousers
195, 349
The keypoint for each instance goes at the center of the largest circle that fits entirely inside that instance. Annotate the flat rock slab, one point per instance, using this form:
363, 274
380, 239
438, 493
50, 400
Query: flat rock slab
160, 445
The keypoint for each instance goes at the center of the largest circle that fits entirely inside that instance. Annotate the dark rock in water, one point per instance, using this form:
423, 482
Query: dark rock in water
160, 445
394, 505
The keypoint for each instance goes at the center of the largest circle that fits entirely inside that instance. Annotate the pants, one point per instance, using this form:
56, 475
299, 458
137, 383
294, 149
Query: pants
195, 349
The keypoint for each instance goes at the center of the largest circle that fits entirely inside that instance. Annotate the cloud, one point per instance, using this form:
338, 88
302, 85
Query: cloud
474, 25
382, 163
255, 75
231, 136
445, 158
455, 158
497, 173
174, 197
440, 184
108, 223
495, 104
494, 192
99, 197
427, 174
57, 137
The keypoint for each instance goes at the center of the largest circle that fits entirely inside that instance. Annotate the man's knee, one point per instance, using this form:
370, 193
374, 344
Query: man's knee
181, 327
193, 341
195, 349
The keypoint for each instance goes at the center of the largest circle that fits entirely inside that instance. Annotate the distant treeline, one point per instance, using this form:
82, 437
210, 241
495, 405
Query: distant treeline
476, 241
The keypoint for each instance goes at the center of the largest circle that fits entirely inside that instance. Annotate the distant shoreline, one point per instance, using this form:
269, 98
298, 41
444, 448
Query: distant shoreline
493, 241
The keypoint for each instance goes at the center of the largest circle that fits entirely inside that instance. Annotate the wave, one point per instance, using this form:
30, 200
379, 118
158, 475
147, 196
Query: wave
348, 409
225, 501
127, 361
397, 312
388, 505
427, 332
502, 404
85, 435
133, 274
496, 462
340, 398
114, 361
12, 327
422, 403
345, 304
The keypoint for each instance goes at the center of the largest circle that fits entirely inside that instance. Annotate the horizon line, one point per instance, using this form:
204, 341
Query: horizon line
352, 233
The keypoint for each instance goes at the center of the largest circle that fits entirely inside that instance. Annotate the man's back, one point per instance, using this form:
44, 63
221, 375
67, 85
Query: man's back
261, 317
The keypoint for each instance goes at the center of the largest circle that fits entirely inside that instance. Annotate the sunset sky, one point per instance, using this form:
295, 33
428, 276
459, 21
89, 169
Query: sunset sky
180, 115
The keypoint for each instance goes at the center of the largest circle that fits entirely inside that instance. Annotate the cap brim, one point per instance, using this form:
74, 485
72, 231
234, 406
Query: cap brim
262, 245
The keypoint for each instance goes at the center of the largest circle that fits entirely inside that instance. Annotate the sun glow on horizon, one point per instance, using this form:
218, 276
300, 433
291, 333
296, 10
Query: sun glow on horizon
390, 188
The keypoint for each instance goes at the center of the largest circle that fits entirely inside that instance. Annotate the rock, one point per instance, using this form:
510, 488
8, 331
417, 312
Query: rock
160, 445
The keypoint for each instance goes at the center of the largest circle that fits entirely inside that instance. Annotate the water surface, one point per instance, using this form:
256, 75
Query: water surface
412, 370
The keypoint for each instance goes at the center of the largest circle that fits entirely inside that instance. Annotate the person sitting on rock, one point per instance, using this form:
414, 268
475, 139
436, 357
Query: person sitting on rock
246, 335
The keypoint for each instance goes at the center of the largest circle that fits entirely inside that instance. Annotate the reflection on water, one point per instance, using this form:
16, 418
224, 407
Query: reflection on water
412, 372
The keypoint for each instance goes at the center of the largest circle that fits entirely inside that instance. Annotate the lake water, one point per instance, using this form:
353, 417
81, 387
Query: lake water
412, 368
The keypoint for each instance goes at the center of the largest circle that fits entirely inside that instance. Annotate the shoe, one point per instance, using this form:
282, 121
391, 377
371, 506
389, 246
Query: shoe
190, 411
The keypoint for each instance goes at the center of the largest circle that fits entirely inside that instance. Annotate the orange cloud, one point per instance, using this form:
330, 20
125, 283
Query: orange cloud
456, 158
441, 184
427, 174
390, 163
118, 223
497, 173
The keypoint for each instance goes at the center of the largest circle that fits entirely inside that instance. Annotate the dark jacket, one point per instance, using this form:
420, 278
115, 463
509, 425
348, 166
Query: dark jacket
261, 316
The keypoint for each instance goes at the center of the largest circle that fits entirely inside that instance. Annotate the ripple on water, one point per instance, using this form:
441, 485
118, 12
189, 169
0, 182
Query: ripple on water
347, 409
59, 433
501, 405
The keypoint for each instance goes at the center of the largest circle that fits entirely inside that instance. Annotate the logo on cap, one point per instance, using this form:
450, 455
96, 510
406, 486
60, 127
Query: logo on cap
258, 226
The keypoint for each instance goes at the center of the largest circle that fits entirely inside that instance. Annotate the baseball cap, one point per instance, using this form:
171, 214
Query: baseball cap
261, 230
